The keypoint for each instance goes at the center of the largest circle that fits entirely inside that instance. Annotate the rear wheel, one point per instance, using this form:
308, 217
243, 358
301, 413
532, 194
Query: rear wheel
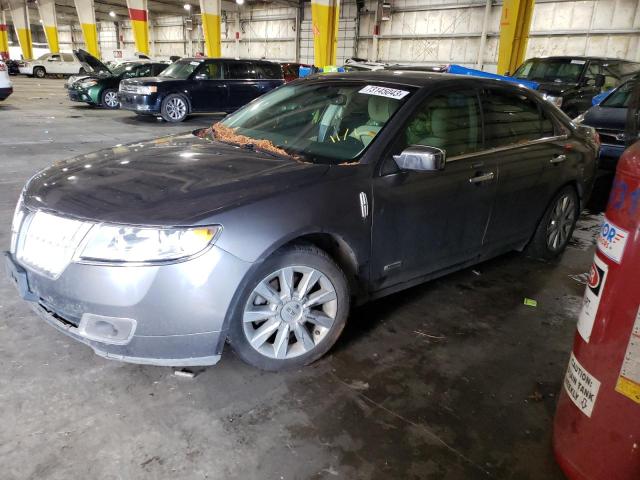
109, 99
292, 311
556, 227
39, 72
174, 108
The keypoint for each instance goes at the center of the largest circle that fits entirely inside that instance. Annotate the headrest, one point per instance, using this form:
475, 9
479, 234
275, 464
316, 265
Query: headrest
381, 108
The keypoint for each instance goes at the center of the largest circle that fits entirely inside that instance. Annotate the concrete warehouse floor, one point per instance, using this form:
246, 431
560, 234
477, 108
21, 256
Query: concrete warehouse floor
455, 379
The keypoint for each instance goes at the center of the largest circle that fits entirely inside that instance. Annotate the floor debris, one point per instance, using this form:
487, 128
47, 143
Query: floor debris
183, 372
530, 302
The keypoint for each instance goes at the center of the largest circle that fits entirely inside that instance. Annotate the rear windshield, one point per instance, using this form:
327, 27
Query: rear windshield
181, 69
559, 70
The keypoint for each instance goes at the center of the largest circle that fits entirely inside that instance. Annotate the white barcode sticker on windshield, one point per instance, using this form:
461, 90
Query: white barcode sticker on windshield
195, 63
578, 62
384, 92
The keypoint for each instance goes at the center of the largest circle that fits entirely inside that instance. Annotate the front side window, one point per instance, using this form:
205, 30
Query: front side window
212, 71
510, 118
449, 121
181, 69
268, 70
619, 98
54, 58
332, 122
67, 57
559, 70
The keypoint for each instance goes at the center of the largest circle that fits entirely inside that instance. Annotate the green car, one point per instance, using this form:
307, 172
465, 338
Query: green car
102, 89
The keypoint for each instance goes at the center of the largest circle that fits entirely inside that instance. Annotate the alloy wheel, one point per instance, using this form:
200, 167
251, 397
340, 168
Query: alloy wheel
290, 312
561, 222
176, 108
111, 99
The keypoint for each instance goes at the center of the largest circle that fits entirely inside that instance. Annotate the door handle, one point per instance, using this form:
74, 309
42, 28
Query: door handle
482, 178
558, 159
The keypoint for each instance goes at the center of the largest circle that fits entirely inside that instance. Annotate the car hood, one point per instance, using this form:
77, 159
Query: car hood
555, 88
175, 180
606, 118
88, 59
151, 80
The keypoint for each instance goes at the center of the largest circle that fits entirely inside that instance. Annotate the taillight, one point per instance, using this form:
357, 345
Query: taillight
3, 67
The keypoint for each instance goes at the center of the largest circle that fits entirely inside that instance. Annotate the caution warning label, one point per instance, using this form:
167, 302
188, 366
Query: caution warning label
628, 383
581, 386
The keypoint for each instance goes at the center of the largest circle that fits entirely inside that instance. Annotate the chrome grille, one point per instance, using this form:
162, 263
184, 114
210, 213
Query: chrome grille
612, 137
47, 243
124, 87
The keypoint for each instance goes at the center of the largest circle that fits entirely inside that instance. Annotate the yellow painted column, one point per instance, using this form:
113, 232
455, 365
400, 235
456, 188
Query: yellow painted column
47, 9
87, 17
139, 16
4, 37
515, 23
211, 27
20, 17
325, 18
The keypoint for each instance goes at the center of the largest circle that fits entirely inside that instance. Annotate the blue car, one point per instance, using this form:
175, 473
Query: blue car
609, 118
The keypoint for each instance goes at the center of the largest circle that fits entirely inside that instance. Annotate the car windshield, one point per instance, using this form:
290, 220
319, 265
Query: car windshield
560, 70
328, 122
122, 68
619, 98
180, 69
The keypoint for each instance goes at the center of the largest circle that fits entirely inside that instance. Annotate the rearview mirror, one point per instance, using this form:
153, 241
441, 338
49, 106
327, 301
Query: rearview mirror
421, 158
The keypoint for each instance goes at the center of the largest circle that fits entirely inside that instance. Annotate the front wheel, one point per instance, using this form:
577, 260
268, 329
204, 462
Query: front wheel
556, 227
39, 72
109, 99
174, 109
292, 311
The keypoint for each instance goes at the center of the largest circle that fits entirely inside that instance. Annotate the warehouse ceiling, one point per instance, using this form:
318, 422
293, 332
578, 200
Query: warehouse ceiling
66, 9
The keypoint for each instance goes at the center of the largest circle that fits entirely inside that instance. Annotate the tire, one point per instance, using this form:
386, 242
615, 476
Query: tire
39, 72
109, 99
285, 331
556, 227
175, 108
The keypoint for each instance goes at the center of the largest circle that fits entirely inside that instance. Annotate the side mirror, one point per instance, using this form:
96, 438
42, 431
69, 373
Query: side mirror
201, 76
507, 73
599, 80
421, 158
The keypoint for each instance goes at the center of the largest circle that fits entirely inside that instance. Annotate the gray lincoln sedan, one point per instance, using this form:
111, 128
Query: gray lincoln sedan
264, 229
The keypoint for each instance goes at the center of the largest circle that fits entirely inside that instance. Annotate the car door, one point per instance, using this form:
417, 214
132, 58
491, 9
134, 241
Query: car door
522, 138
209, 91
53, 64
425, 222
242, 81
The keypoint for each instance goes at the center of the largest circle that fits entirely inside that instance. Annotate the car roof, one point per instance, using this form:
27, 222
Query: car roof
581, 57
412, 78
228, 60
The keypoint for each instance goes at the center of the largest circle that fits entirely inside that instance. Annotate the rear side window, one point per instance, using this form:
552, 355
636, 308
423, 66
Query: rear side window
510, 118
212, 70
268, 70
144, 71
241, 71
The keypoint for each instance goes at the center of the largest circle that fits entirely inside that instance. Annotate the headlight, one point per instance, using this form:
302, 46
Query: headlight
114, 243
557, 101
139, 89
579, 119
18, 216
88, 83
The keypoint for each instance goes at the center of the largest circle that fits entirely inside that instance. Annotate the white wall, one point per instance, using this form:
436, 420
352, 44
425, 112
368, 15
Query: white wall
448, 31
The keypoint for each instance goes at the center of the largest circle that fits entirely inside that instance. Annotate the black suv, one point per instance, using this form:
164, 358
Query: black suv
195, 85
571, 82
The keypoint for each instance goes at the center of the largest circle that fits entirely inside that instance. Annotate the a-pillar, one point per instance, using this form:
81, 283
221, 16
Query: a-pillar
4, 37
20, 17
47, 9
87, 17
211, 10
139, 16
514, 34
325, 16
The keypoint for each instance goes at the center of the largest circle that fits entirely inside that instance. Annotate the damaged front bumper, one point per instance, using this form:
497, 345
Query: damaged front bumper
169, 315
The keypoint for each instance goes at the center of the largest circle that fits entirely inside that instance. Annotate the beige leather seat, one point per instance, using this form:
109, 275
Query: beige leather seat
380, 110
